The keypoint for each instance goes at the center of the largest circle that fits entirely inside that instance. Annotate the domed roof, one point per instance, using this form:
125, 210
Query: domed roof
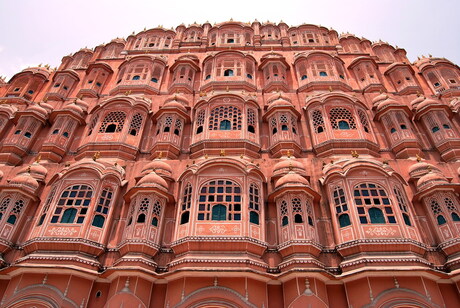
431, 179
284, 166
38, 109
421, 168
291, 179
36, 170
381, 97
427, 102
73, 107
387, 102
10, 109
175, 104
159, 166
25, 179
44, 70
153, 180
416, 102
280, 102
118, 41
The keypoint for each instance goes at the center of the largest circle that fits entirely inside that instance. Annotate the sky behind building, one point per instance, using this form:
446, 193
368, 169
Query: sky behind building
44, 31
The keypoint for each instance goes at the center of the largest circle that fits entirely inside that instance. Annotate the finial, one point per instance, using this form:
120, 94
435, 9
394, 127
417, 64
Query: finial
290, 166
330, 89
222, 152
28, 169
307, 287
354, 154
396, 282
206, 156
241, 156
419, 159
228, 89
45, 279
40, 65
126, 288
429, 55
289, 153
37, 160
215, 281
96, 155
160, 155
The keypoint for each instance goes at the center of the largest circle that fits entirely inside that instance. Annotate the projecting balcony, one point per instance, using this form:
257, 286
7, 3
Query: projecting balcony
137, 86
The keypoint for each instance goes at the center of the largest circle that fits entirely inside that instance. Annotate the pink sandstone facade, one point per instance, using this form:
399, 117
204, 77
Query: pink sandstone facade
234, 165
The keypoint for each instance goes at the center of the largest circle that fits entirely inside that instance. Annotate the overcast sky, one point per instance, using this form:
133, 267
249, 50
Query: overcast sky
43, 31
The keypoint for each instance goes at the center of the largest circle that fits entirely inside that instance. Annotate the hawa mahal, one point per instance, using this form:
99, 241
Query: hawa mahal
232, 165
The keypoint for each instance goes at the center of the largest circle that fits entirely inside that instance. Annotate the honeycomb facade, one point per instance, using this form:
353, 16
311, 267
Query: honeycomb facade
232, 165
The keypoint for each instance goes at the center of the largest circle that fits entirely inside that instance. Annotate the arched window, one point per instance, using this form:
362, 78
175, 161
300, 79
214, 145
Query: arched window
228, 73
224, 193
15, 211
225, 125
341, 118
437, 211
251, 121
135, 125
363, 120
452, 208
220, 114
344, 220
254, 204
156, 213
113, 122
341, 207
69, 216
318, 122
73, 203
219, 212
200, 121
343, 124
102, 208
373, 204
283, 214
402, 206
186, 203
376, 215
4, 206
297, 210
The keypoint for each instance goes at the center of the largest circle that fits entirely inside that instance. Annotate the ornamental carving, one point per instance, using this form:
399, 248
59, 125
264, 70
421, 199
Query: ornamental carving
62, 231
381, 231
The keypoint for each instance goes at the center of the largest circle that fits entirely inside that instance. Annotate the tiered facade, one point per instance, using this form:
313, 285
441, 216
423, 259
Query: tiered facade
232, 165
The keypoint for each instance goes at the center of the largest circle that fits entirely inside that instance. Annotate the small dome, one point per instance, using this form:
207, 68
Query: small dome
159, 166
10, 109
153, 180
118, 41
36, 170
419, 169
387, 102
417, 101
427, 102
431, 179
283, 167
25, 179
280, 102
174, 105
379, 98
38, 109
291, 179
74, 108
